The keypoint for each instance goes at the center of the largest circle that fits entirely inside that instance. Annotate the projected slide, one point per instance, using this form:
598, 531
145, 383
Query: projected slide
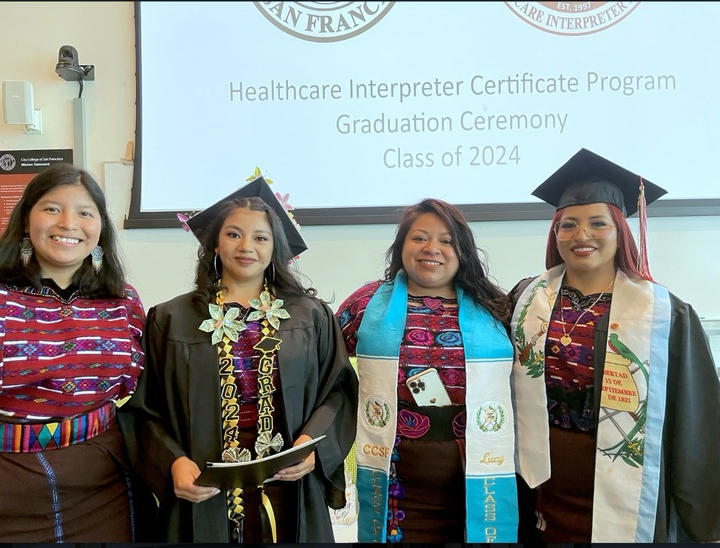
375, 104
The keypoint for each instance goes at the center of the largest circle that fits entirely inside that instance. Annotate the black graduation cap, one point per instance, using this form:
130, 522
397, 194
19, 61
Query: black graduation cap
588, 178
258, 187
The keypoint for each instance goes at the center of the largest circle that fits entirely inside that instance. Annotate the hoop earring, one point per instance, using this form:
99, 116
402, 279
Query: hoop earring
215, 266
26, 251
97, 255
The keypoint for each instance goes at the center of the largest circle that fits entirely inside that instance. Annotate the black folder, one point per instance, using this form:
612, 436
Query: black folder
232, 475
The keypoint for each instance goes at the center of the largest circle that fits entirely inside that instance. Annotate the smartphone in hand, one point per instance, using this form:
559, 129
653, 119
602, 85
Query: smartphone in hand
427, 388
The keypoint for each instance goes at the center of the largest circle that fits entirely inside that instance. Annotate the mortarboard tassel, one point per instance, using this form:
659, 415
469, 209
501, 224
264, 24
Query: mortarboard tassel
642, 261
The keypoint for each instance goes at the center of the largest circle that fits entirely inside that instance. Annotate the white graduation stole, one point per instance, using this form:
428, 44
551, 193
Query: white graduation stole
627, 464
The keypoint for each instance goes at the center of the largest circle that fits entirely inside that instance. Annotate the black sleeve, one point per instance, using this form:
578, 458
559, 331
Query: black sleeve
692, 429
335, 413
151, 448
517, 290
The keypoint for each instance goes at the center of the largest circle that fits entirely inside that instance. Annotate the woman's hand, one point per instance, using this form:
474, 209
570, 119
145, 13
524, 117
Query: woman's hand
184, 472
295, 472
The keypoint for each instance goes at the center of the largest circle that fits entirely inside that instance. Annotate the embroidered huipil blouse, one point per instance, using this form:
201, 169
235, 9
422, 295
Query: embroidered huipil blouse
569, 371
431, 339
245, 362
62, 357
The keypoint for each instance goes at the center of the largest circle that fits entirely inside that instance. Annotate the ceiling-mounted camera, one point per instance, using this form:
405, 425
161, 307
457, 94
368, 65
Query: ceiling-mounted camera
68, 67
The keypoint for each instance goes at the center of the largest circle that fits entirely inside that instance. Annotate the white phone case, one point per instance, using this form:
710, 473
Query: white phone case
427, 389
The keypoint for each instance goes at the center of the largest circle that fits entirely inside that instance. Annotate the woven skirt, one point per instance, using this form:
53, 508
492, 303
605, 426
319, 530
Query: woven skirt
432, 477
565, 500
78, 493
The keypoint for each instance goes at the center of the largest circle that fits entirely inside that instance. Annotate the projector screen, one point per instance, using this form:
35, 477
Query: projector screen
359, 108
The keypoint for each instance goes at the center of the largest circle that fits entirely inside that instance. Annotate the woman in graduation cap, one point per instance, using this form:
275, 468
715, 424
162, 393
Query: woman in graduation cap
247, 364
617, 396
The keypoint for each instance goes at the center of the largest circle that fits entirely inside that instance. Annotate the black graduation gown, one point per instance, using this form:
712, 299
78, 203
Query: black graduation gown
689, 493
175, 412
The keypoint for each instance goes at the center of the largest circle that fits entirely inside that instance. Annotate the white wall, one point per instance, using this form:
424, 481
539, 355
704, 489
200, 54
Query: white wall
683, 250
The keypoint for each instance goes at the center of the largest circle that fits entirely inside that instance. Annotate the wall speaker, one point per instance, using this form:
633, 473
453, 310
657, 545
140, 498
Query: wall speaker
17, 102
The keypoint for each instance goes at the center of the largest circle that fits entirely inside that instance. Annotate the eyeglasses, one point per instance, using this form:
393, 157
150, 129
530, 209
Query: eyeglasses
597, 227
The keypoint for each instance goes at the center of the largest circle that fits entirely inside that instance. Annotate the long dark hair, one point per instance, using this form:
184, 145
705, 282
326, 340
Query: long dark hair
471, 275
626, 256
279, 276
109, 282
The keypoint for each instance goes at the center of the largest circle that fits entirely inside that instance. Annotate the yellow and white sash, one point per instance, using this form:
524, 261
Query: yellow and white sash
632, 401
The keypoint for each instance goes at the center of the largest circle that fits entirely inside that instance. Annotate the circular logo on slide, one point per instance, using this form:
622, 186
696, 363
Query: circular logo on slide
324, 21
572, 18
7, 162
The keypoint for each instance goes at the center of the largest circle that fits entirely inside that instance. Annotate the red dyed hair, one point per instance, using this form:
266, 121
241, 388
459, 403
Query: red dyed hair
626, 257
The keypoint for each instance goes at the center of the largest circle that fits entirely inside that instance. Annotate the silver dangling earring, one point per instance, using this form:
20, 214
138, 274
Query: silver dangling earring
215, 266
26, 251
97, 258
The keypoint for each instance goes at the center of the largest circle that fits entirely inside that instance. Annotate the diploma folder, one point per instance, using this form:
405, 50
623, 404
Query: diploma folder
232, 475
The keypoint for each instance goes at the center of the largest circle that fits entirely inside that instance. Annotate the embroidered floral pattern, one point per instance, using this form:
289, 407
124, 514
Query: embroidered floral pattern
412, 425
458, 424
449, 338
395, 492
419, 337
452, 377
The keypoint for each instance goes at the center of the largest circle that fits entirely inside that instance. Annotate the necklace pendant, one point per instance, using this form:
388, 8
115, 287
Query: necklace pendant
565, 340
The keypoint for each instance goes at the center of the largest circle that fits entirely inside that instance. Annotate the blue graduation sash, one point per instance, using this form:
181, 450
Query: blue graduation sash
491, 491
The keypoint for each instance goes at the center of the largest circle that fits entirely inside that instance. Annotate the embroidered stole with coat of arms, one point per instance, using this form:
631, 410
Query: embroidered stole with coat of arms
491, 492
629, 434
